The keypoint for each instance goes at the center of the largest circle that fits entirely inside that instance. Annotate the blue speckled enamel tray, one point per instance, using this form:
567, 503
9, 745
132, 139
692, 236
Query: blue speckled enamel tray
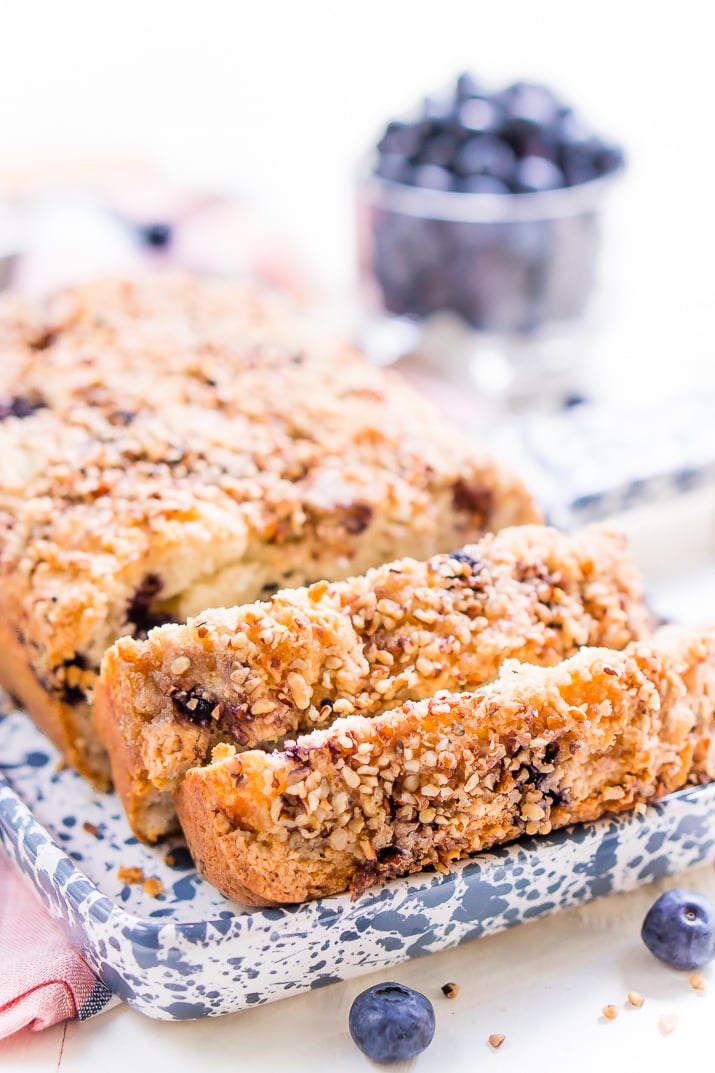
191, 953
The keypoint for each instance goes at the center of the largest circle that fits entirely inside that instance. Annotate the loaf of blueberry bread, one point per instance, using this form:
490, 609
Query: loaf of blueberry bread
430, 782
255, 674
170, 443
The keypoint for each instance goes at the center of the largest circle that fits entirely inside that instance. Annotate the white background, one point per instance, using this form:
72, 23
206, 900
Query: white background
278, 101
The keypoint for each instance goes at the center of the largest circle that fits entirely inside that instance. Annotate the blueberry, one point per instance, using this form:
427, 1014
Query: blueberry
484, 155
399, 137
477, 115
158, 236
608, 158
679, 928
394, 167
438, 149
391, 1023
534, 174
531, 103
432, 177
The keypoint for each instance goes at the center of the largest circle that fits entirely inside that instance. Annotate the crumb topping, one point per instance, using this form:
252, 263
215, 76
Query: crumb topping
429, 782
155, 433
403, 631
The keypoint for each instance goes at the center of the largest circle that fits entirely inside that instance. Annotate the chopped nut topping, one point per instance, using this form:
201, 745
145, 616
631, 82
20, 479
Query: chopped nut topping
180, 665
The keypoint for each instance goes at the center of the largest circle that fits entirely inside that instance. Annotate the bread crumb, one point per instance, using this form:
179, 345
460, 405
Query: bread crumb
222, 751
610, 1012
450, 990
495, 1040
697, 982
667, 1023
130, 875
153, 887
636, 999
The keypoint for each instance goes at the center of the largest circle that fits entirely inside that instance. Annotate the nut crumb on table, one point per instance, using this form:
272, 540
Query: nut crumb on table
635, 999
496, 1039
610, 1012
697, 982
450, 990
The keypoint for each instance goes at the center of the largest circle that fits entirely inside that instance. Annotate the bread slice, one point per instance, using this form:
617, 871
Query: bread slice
431, 782
255, 674
172, 443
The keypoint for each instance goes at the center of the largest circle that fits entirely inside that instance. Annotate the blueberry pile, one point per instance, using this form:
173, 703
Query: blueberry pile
679, 929
391, 1022
520, 140
510, 265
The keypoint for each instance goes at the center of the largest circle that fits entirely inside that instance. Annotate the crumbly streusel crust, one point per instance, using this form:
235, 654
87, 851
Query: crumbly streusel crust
252, 675
433, 781
173, 443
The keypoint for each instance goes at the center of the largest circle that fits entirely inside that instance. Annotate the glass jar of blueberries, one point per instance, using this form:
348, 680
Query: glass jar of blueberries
487, 205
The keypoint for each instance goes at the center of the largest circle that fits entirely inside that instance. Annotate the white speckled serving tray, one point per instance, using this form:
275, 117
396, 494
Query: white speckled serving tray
191, 953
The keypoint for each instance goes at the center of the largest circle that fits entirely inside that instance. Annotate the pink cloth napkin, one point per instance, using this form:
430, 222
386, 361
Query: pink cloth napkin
43, 980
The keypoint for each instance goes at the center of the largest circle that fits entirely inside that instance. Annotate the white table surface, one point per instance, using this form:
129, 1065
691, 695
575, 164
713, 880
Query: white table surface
543, 985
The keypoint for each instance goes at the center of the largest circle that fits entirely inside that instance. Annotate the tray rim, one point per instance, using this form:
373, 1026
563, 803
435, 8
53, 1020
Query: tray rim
78, 916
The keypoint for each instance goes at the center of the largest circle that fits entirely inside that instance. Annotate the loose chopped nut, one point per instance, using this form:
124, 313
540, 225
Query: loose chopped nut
222, 751
697, 982
667, 1023
496, 1039
610, 1012
180, 665
130, 875
450, 990
636, 999
153, 887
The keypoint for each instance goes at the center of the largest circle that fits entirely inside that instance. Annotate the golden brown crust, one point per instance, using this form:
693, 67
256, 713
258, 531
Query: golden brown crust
172, 443
403, 631
69, 725
433, 781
